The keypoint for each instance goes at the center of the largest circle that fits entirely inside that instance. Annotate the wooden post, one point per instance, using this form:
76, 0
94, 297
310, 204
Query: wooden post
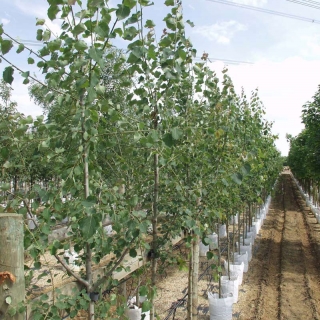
12, 291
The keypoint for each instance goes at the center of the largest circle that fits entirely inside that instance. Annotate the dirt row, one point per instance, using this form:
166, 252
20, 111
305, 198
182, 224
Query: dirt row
284, 274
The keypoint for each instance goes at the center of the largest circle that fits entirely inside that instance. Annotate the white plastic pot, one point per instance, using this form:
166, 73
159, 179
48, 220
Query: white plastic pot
108, 229
230, 286
220, 309
222, 231
234, 219
136, 314
246, 248
214, 241
242, 257
247, 241
236, 269
203, 249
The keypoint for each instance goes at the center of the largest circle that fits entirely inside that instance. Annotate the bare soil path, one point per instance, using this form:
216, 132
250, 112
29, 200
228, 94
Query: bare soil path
283, 281
284, 275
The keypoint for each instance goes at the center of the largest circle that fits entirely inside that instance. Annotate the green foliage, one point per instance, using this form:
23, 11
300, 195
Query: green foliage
130, 139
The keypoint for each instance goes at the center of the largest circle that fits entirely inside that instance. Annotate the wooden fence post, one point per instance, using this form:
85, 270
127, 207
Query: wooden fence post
12, 284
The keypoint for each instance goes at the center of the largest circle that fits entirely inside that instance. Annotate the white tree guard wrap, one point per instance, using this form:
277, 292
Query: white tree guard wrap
230, 286
220, 309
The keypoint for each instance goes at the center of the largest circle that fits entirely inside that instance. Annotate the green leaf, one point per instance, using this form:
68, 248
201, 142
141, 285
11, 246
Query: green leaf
130, 3
20, 48
8, 300
1, 30
130, 33
237, 178
176, 133
143, 291
79, 28
149, 24
54, 45
122, 12
80, 45
134, 18
46, 35
30, 60
190, 23
8, 74
168, 140
53, 11
133, 253
89, 226
40, 22
6, 46
169, 3
39, 34
146, 306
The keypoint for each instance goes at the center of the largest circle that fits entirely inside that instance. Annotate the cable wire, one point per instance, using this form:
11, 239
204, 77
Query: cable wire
225, 60
306, 4
278, 13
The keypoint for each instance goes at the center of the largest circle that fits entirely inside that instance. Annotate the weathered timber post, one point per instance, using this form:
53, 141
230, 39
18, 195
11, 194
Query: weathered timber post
12, 284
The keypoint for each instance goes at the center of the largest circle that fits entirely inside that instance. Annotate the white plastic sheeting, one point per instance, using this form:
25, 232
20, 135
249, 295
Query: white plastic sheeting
203, 249
236, 269
135, 313
222, 231
242, 257
230, 286
214, 241
220, 309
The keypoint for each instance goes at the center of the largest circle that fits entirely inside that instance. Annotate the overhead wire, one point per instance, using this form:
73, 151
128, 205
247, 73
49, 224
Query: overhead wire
225, 60
282, 14
306, 4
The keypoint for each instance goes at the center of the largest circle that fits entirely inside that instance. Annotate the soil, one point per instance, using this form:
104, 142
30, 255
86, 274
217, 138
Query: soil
284, 275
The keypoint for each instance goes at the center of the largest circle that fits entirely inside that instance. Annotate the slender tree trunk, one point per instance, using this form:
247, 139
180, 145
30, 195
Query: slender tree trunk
88, 250
219, 258
228, 248
195, 276
189, 303
154, 230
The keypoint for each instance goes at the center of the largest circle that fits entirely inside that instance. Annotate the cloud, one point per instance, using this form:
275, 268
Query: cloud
221, 32
5, 21
284, 87
39, 10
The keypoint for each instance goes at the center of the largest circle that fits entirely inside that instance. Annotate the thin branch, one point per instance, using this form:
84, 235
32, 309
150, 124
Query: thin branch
30, 50
101, 280
31, 77
67, 267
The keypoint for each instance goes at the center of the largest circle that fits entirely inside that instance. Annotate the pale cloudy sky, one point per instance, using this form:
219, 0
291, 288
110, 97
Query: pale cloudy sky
285, 53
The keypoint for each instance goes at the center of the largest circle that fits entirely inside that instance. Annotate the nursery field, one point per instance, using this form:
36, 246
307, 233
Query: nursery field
284, 275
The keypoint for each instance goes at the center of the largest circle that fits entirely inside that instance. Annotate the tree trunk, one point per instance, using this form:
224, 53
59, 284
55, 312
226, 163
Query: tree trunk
195, 276
189, 303
11, 263
154, 231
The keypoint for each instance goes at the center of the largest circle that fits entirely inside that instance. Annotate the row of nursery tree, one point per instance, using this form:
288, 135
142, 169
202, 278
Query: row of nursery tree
148, 138
304, 153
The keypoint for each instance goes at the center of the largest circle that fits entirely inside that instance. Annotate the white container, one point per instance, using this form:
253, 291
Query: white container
108, 230
247, 241
203, 249
214, 241
246, 248
230, 286
222, 231
220, 309
236, 269
136, 314
242, 257
234, 219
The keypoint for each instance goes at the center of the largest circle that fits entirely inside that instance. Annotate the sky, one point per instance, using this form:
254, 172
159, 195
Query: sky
282, 54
